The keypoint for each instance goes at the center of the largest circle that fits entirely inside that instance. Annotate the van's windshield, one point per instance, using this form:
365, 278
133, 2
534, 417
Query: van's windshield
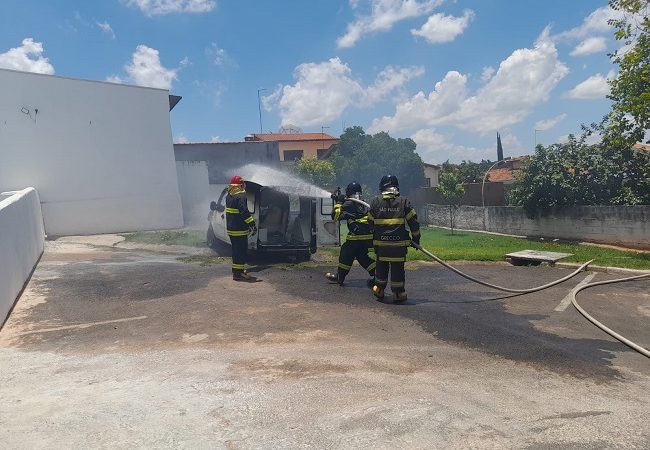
284, 218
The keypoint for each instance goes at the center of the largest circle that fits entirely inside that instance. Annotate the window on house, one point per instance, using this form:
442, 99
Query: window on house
427, 182
293, 155
321, 152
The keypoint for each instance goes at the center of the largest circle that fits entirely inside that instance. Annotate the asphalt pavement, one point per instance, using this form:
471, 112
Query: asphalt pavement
126, 348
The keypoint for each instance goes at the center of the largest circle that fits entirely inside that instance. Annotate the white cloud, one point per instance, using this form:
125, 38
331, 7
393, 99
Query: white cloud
547, 124
159, 7
487, 73
523, 80
589, 46
215, 139
594, 87
436, 148
324, 90
146, 70
594, 23
181, 139
219, 56
440, 28
106, 28
383, 15
28, 58
388, 80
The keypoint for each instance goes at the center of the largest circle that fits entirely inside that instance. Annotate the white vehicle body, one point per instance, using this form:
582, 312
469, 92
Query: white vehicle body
286, 222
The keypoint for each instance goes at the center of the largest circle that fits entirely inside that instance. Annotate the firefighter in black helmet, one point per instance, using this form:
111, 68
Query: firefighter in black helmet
359, 240
390, 213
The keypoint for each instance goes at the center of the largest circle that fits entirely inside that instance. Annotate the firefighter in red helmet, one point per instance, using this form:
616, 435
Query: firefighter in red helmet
239, 225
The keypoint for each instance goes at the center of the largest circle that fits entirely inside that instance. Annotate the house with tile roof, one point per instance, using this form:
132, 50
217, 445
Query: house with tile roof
294, 146
506, 171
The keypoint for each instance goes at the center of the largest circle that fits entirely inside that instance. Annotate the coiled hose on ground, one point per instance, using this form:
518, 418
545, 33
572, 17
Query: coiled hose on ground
607, 330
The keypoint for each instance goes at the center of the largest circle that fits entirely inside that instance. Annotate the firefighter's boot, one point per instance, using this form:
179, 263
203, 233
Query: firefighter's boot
333, 278
243, 276
378, 291
399, 297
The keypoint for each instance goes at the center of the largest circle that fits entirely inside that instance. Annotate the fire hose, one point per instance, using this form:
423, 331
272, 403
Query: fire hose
607, 330
484, 283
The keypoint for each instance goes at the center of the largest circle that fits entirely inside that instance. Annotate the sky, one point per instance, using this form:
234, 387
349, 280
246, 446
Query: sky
447, 73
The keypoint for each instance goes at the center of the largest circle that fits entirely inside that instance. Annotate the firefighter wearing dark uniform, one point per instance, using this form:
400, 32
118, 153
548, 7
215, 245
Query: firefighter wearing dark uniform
390, 213
359, 239
239, 224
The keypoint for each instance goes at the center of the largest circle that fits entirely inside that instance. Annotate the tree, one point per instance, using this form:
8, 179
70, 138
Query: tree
575, 173
452, 193
316, 171
629, 119
366, 158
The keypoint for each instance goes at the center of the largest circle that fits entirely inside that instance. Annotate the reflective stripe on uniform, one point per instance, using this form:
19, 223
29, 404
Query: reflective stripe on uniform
397, 284
404, 243
380, 282
359, 237
371, 266
337, 211
398, 221
238, 266
363, 219
249, 220
391, 259
232, 210
411, 214
343, 266
237, 233
415, 233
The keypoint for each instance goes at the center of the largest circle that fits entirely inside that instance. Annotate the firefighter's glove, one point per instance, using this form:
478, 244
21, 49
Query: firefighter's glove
252, 230
416, 239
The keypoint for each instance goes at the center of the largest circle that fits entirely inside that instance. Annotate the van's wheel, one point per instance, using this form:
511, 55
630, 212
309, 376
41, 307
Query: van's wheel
211, 238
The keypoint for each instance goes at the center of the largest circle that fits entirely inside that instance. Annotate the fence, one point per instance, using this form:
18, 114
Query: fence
618, 225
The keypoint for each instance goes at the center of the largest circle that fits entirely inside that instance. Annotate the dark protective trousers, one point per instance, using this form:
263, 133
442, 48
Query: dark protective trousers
397, 275
351, 250
239, 252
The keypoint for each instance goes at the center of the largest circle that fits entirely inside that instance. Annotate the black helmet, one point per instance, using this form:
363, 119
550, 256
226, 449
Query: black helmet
388, 181
353, 188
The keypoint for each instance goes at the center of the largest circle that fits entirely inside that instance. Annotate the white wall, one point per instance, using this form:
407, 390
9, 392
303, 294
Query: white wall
21, 243
194, 186
99, 154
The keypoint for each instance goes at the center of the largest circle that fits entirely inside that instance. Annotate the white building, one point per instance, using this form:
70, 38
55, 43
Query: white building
99, 154
431, 175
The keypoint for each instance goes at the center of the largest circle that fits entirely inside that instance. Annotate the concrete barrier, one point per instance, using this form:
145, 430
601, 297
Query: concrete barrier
628, 226
21, 243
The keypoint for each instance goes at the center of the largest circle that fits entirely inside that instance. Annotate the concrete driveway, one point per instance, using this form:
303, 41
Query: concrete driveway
113, 348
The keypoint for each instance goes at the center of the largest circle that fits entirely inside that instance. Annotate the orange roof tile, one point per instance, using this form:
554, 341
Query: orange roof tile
501, 175
641, 147
294, 137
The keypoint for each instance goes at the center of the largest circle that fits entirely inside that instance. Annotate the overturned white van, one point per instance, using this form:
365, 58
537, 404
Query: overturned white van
288, 221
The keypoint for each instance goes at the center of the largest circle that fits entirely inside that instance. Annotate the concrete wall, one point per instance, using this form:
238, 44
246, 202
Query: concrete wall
194, 186
224, 157
21, 243
99, 154
619, 225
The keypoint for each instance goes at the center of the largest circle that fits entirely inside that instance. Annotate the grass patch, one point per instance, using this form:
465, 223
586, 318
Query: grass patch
188, 238
470, 246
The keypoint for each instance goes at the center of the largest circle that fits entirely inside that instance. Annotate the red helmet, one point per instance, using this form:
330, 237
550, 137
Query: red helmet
236, 180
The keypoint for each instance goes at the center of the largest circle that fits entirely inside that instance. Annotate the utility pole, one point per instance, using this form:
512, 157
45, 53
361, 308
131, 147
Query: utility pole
536, 138
259, 107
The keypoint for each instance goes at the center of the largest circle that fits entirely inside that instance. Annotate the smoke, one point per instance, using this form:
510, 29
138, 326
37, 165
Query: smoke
279, 180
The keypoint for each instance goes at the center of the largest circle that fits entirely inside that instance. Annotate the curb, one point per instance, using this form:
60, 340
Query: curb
605, 269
